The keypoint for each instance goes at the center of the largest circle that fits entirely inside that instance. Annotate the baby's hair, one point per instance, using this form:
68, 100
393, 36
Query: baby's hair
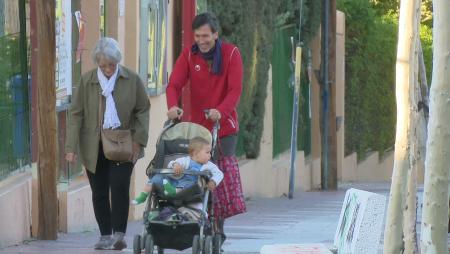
196, 144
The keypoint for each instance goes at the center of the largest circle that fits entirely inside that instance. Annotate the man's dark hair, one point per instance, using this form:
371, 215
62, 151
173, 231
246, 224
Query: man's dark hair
206, 18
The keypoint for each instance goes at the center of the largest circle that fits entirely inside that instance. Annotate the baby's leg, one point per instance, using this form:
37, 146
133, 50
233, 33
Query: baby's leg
169, 189
148, 187
144, 194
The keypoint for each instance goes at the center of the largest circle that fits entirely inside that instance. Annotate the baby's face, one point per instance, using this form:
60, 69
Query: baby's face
202, 155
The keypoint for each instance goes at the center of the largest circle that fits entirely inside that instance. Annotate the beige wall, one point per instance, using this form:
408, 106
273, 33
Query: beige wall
371, 169
91, 14
15, 209
131, 44
76, 213
340, 89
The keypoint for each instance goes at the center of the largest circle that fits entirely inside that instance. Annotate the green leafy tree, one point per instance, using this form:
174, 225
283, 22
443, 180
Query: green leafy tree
371, 37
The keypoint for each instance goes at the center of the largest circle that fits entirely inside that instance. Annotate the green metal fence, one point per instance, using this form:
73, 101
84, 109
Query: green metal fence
282, 95
14, 88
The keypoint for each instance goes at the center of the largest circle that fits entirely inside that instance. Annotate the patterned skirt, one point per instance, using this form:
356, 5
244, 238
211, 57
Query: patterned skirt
228, 196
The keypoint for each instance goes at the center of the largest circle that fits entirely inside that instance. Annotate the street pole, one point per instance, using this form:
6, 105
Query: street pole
297, 63
325, 93
332, 128
46, 118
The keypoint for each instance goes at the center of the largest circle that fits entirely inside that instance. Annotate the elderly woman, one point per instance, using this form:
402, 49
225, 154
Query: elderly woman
125, 105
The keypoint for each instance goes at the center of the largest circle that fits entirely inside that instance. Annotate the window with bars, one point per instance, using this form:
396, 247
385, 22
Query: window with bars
14, 87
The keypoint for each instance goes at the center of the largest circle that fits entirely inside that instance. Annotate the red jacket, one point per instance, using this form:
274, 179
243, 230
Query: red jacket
208, 91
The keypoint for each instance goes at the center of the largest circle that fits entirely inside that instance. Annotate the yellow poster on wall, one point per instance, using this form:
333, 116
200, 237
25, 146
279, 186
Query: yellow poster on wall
63, 51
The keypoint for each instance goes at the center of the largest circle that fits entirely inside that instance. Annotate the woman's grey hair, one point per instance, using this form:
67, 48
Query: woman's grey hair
107, 47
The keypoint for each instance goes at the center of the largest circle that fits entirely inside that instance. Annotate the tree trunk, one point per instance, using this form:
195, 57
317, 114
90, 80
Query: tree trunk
410, 212
423, 83
46, 117
393, 237
435, 201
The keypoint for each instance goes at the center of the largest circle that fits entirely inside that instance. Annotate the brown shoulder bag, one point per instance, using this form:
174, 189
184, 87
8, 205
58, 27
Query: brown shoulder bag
117, 144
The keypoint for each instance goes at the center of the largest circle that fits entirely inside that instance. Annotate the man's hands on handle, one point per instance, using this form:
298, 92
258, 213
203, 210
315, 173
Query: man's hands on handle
174, 113
213, 114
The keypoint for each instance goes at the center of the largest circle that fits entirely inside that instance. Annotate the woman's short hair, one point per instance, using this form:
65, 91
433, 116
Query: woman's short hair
206, 18
108, 48
196, 144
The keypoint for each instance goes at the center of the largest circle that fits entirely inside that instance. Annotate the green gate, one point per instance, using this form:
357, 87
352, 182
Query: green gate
282, 95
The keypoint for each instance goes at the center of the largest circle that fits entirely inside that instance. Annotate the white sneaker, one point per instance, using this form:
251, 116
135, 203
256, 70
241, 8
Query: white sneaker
119, 241
104, 243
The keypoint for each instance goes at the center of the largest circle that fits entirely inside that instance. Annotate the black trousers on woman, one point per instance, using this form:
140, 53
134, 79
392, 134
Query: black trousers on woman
110, 177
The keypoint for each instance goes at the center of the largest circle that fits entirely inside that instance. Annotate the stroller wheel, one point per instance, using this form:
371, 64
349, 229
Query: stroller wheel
143, 238
149, 244
196, 245
217, 244
137, 244
208, 247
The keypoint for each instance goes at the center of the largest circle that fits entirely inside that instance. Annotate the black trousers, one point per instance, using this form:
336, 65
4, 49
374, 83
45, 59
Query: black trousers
110, 177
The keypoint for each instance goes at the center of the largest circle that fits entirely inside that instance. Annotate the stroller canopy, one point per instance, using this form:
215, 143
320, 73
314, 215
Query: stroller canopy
173, 142
186, 130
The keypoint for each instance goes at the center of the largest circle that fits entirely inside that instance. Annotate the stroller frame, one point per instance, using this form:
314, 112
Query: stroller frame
205, 242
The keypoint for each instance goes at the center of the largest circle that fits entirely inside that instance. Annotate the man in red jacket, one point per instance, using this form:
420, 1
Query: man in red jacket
214, 71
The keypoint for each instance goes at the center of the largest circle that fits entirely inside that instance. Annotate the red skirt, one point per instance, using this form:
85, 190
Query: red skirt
228, 196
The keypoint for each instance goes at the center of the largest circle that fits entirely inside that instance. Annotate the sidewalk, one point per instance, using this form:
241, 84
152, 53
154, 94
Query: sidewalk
311, 217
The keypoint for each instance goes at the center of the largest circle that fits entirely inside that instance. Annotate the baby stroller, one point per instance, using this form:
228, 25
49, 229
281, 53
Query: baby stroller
178, 226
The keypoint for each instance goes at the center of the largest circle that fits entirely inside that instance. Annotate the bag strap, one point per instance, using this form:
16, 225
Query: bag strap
100, 110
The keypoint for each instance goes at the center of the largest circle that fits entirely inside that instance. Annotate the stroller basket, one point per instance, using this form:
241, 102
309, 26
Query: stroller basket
178, 237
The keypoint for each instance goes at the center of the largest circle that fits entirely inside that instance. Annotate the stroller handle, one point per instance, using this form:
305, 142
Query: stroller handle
214, 132
169, 171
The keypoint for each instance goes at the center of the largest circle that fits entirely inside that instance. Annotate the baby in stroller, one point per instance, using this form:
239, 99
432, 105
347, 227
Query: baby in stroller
178, 213
199, 150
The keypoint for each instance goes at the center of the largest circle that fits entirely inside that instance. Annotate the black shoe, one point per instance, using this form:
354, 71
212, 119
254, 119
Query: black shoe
224, 237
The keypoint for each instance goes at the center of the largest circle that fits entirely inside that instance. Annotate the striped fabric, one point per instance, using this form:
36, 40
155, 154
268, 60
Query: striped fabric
228, 196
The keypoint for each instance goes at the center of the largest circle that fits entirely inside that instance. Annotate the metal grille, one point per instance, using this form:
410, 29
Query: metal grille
14, 91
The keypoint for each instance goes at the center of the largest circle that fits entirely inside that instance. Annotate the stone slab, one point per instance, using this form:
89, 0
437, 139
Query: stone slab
295, 249
360, 223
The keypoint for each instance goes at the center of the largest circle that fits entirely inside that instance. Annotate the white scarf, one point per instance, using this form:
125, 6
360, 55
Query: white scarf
110, 120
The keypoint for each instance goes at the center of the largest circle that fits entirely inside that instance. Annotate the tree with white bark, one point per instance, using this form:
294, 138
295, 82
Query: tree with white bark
437, 163
404, 157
